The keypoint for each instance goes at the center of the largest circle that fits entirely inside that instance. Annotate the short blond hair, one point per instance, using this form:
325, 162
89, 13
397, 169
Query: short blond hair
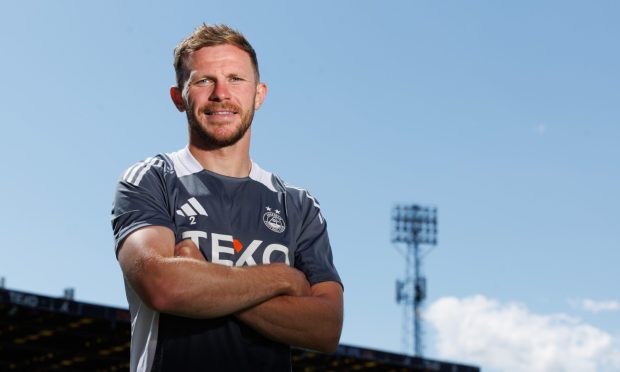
209, 35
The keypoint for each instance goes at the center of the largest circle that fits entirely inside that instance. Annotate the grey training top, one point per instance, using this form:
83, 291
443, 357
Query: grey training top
235, 222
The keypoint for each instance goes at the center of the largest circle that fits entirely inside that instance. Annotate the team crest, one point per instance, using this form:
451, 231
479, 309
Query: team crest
273, 220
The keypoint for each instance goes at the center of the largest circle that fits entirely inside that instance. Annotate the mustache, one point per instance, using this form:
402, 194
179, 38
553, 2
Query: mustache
221, 107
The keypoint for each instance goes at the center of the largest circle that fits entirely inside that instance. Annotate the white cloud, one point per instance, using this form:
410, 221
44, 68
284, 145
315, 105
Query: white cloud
595, 306
508, 337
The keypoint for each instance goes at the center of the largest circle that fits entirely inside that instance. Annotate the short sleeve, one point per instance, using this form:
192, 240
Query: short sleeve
314, 254
140, 200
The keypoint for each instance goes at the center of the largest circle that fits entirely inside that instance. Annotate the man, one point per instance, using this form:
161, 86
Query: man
225, 266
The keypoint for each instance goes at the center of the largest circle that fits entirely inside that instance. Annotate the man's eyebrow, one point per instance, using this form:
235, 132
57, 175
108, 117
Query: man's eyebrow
239, 74
201, 76
197, 77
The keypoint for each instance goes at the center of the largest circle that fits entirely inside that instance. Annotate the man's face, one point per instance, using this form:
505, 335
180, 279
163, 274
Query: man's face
220, 95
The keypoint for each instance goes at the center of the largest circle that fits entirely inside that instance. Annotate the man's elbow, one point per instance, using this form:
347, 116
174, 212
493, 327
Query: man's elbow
171, 296
158, 297
155, 290
329, 340
159, 301
330, 348
328, 345
330, 329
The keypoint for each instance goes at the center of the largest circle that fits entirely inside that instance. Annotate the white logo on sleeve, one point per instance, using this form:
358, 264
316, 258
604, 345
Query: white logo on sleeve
191, 209
273, 220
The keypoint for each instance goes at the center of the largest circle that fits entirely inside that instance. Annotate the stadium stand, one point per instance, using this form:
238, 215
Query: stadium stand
41, 333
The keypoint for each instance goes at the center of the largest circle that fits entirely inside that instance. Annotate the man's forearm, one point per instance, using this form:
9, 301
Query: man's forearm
313, 322
205, 290
191, 287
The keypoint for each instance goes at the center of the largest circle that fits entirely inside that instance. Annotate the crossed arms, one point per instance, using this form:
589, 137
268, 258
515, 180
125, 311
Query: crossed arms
275, 299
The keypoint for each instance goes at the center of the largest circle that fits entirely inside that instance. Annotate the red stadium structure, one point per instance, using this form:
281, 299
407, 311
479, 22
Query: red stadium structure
41, 333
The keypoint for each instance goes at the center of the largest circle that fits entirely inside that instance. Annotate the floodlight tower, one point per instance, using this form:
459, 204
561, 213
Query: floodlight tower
413, 225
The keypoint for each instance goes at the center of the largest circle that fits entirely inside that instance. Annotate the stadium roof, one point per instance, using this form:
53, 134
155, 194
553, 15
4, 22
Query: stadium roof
41, 333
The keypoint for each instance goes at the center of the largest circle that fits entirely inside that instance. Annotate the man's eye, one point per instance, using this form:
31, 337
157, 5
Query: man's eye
235, 79
204, 82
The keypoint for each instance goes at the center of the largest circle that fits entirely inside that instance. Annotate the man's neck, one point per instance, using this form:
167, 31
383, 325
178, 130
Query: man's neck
231, 161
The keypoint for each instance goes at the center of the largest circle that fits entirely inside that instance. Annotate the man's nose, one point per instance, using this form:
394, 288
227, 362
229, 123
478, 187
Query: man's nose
220, 92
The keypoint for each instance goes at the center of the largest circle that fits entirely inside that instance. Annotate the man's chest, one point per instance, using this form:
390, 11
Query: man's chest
247, 226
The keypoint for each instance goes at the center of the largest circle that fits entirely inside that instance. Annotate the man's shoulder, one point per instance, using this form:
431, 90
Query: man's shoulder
273, 181
299, 193
159, 164
163, 165
300, 196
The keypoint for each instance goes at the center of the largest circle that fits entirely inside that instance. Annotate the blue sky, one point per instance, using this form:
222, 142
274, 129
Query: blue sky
503, 115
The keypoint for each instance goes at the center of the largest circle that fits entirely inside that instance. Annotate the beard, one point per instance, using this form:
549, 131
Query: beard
211, 140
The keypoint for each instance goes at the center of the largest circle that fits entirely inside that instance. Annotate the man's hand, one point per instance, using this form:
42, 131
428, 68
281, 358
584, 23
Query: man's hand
187, 248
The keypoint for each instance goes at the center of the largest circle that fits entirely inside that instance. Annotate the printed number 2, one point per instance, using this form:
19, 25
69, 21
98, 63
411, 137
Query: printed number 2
192, 220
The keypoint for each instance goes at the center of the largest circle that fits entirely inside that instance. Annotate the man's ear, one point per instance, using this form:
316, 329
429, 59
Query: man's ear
177, 98
261, 93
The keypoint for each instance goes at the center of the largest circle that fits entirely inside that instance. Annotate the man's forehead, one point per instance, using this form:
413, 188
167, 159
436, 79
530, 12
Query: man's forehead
218, 54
